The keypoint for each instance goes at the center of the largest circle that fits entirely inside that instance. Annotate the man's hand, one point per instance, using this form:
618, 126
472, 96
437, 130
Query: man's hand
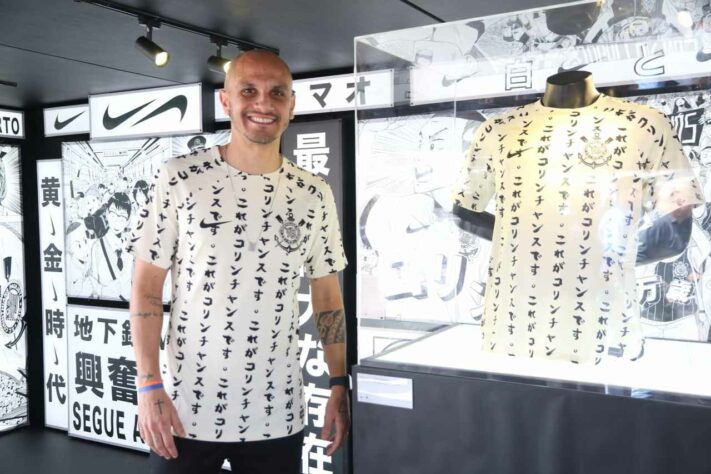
337, 417
156, 417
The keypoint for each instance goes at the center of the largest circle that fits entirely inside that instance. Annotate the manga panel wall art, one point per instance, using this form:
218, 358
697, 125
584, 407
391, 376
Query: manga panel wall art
414, 261
619, 41
105, 185
13, 348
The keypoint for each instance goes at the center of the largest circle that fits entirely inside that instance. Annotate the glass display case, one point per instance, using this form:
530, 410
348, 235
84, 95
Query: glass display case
551, 242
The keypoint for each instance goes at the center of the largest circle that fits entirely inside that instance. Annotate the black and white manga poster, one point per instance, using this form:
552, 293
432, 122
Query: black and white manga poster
618, 41
105, 185
13, 347
103, 397
316, 147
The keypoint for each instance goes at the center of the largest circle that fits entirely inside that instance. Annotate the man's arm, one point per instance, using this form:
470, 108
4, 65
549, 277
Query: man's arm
667, 236
329, 317
156, 412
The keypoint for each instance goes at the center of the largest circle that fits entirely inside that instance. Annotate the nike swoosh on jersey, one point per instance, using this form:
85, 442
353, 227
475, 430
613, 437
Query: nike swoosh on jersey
518, 153
58, 125
208, 225
112, 122
179, 102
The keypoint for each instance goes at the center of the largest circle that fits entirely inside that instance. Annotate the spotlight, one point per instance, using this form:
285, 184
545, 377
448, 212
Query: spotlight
216, 62
145, 44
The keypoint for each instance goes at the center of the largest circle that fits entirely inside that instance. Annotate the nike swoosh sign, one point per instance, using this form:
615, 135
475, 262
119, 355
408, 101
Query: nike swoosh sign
112, 122
179, 102
574, 68
60, 125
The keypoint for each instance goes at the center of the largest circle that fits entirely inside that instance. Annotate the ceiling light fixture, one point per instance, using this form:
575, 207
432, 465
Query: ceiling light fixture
217, 63
111, 5
145, 44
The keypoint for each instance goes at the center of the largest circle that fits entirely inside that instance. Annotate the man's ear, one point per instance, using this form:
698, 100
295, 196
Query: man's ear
225, 101
293, 104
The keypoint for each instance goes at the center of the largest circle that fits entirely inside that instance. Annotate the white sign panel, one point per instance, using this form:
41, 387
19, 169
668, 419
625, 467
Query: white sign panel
335, 93
383, 390
12, 124
610, 65
66, 120
148, 113
103, 398
54, 300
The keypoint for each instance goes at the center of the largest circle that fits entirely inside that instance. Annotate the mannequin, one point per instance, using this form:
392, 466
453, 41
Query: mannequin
666, 237
570, 90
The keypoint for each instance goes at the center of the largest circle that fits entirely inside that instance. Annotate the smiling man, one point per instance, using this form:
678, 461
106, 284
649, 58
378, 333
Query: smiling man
235, 225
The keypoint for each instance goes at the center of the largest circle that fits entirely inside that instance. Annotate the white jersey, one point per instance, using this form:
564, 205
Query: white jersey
232, 347
570, 187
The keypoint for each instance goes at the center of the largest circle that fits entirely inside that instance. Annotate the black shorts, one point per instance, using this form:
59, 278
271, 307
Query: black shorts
278, 455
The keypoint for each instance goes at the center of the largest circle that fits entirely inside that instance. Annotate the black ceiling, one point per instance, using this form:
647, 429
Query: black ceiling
60, 51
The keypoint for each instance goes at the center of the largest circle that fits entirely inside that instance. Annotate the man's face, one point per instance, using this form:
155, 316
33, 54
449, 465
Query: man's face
639, 27
116, 218
258, 98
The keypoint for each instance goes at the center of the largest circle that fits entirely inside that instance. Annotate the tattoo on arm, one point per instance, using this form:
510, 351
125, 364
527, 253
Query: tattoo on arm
331, 326
154, 300
145, 314
159, 404
146, 377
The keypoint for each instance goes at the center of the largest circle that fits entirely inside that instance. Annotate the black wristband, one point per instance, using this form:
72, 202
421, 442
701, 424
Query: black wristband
342, 381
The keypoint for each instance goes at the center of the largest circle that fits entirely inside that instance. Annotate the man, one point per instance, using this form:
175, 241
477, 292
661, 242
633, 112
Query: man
197, 143
235, 225
107, 257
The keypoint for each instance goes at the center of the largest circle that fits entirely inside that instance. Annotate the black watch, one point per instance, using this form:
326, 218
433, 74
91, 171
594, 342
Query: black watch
342, 381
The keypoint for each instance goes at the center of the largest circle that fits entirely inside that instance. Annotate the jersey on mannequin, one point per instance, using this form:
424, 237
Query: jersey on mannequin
667, 236
572, 175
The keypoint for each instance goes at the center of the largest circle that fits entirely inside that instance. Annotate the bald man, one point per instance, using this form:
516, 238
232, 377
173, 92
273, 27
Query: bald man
236, 225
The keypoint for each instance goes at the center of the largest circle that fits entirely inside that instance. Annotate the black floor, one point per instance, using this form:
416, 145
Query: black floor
43, 450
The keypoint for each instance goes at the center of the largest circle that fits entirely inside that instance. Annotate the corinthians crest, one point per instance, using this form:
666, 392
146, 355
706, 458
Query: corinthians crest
11, 320
681, 270
289, 234
595, 153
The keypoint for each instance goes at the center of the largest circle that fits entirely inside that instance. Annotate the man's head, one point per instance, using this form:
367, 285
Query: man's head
118, 211
197, 143
140, 193
258, 97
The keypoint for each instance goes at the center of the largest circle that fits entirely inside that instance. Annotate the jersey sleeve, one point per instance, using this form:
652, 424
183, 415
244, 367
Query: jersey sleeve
477, 182
326, 254
154, 237
671, 183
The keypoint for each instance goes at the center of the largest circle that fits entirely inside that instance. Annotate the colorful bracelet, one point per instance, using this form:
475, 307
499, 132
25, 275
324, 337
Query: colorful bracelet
154, 385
